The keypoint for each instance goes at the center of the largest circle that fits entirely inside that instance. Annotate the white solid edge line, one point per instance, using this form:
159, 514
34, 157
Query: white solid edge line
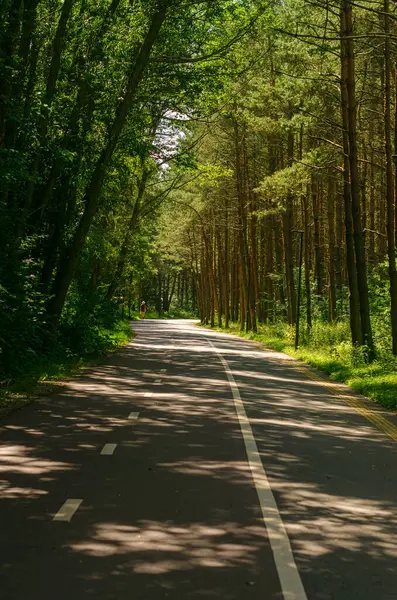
290, 580
133, 415
108, 449
67, 510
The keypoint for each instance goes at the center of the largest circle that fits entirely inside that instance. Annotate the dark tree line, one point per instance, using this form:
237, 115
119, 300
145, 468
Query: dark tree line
308, 144
85, 88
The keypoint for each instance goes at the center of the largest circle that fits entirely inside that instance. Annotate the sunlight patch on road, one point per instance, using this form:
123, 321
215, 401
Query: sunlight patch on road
290, 580
22, 459
10, 492
377, 419
324, 523
191, 545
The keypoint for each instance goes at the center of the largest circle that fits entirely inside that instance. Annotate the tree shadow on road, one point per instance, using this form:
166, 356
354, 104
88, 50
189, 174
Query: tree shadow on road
174, 513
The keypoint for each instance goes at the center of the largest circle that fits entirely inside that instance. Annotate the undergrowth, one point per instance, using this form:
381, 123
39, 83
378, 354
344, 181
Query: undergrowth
89, 329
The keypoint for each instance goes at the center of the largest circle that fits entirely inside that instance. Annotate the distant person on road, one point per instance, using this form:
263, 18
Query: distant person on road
143, 309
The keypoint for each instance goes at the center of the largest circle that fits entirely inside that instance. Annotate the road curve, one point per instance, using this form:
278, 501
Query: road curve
194, 465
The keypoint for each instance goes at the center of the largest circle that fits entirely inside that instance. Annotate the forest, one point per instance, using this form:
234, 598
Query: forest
229, 160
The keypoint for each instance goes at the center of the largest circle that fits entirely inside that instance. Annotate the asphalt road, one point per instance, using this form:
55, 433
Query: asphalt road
195, 465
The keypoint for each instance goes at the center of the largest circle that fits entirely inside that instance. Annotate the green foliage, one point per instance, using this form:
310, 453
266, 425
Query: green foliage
284, 182
88, 322
22, 324
75, 347
56, 365
90, 325
63, 79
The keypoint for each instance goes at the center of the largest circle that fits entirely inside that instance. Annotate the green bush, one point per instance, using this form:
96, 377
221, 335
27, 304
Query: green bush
327, 334
22, 327
89, 325
87, 322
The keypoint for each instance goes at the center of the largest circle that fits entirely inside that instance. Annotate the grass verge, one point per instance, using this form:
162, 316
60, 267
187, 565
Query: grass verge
328, 350
47, 373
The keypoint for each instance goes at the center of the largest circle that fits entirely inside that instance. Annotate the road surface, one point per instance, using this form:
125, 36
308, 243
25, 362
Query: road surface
195, 465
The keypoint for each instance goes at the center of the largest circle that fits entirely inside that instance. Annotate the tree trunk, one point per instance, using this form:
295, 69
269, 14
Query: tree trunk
252, 254
27, 33
361, 267
268, 269
331, 251
8, 45
389, 181
318, 253
307, 239
242, 228
339, 254
355, 320
130, 230
348, 88
278, 251
395, 152
69, 260
243, 298
172, 291
226, 266
363, 195
288, 244
52, 79
371, 235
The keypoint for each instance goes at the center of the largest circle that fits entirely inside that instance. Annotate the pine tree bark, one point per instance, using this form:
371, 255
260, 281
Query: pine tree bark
371, 234
288, 244
278, 251
355, 320
226, 266
218, 256
250, 245
395, 153
268, 268
389, 179
235, 281
339, 250
331, 251
348, 78
317, 244
243, 279
307, 249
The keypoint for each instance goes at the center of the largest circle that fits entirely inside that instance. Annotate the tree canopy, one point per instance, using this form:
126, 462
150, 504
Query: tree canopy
179, 151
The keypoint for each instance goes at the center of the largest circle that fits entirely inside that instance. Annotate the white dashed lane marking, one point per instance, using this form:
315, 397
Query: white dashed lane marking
108, 449
133, 415
67, 510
